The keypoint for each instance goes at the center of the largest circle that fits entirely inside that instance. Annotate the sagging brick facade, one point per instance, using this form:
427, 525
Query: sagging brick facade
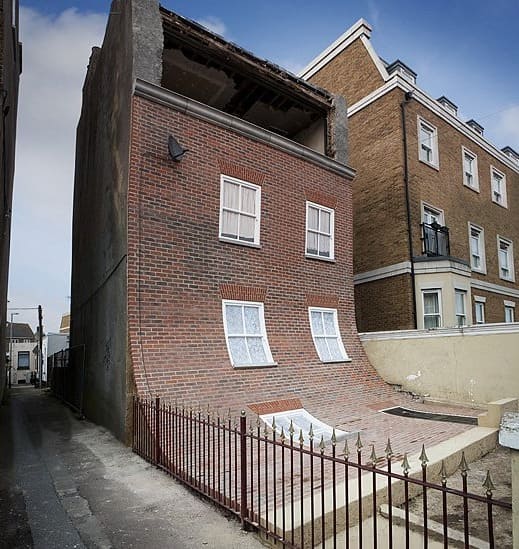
150, 281
180, 271
394, 188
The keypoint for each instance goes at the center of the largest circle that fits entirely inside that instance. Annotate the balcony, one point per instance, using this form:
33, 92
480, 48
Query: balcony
435, 240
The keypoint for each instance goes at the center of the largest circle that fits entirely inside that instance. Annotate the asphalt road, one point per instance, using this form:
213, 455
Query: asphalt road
66, 483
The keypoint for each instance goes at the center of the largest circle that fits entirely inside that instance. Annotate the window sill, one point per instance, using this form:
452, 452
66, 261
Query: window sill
319, 258
512, 280
478, 271
239, 242
472, 187
254, 366
433, 166
336, 361
505, 206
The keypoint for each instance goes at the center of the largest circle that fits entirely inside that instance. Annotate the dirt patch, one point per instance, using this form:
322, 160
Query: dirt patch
498, 462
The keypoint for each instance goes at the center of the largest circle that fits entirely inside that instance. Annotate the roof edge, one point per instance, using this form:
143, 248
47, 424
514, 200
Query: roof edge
358, 29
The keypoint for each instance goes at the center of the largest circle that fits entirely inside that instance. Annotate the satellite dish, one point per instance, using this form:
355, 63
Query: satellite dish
176, 151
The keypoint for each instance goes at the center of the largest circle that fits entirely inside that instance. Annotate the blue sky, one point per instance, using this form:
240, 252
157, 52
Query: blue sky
466, 50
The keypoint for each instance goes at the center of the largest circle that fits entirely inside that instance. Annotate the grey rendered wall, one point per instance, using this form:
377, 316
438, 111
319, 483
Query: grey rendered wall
132, 47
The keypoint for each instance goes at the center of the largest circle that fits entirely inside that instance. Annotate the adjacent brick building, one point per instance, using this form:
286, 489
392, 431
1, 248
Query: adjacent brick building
220, 275
10, 69
435, 203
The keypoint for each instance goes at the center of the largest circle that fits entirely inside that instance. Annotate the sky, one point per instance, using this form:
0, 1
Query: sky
466, 50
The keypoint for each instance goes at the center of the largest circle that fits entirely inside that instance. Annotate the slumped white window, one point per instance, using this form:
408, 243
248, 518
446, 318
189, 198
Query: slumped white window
461, 316
246, 335
326, 335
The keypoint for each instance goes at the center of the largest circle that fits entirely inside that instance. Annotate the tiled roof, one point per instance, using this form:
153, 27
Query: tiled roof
20, 331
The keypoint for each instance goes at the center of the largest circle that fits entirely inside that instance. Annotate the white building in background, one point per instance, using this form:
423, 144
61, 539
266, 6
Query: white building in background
52, 343
22, 351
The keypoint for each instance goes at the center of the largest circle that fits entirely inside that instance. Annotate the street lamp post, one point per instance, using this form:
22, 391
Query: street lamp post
11, 347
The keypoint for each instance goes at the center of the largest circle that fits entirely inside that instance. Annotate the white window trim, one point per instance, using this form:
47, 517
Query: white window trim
345, 358
478, 300
511, 306
331, 211
464, 293
510, 244
483, 268
270, 360
434, 130
257, 223
440, 305
475, 175
504, 203
441, 213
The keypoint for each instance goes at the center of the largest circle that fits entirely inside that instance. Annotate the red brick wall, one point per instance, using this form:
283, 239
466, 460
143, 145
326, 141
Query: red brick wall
178, 269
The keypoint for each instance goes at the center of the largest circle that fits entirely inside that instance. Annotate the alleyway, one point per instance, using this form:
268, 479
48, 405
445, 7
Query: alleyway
66, 483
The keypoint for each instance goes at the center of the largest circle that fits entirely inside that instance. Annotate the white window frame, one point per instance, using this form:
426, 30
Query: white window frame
509, 311
479, 309
337, 334
257, 217
481, 248
266, 346
331, 211
434, 210
475, 177
461, 315
439, 314
423, 146
510, 254
503, 200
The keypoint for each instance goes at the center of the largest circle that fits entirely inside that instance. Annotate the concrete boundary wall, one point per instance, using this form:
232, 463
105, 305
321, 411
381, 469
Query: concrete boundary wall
474, 365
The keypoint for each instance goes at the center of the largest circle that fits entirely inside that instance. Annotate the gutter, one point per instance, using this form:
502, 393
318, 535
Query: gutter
408, 96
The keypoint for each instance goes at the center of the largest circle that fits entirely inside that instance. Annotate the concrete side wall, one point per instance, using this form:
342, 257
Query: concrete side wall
98, 308
10, 65
179, 270
471, 368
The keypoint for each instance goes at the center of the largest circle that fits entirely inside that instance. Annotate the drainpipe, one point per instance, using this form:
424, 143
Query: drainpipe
408, 97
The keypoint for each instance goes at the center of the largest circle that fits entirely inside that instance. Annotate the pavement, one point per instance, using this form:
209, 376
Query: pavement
67, 483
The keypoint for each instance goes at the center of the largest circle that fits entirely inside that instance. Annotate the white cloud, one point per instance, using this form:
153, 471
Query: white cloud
55, 57
507, 127
214, 24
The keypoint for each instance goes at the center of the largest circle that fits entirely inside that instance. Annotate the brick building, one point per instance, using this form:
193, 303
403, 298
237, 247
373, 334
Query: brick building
10, 69
435, 203
223, 274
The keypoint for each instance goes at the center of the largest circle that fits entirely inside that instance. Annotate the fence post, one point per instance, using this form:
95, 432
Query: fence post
157, 431
244, 512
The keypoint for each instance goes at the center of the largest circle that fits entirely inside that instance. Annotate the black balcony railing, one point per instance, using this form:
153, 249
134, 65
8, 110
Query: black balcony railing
435, 239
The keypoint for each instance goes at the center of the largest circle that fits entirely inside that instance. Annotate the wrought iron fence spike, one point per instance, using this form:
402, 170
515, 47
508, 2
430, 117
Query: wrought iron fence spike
311, 432
443, 472
373, 455
322, 445
346, 450
423, 457
334, 438
291, 429
229, 416
301, 437
405, 464
282, 435
359, 444
388, 450
266, 430
258, 422
273, 423
489, 485
464, 466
